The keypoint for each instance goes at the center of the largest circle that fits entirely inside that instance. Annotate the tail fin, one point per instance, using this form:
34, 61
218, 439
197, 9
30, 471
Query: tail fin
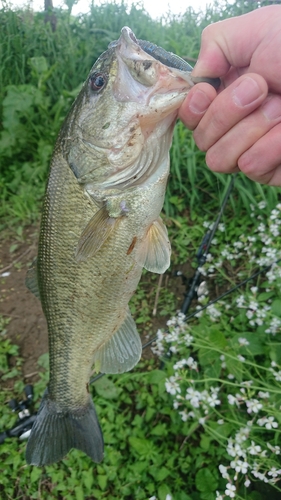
54, 433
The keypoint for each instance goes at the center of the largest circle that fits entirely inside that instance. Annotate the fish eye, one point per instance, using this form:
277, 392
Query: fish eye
97, 81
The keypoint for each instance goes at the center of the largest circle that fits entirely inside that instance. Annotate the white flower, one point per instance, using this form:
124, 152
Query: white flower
192, 363
230, 490
169, 497
262, 205
243, 342
202, 420
184, 415
188, 339
261, 421
232, 399
242, 435
193, 396
274, 449
247, 383
173, 349
239, 466
261, 228
220, 421
254, 289
274, 326
264, 395
240, 301
223, 471
213, 312
180, 364
249, 314
254, 449
277, 376
253, 405
218, 496
260, 476
234, 449
172, 387
271, 424
274, 472
247, 483
241, 358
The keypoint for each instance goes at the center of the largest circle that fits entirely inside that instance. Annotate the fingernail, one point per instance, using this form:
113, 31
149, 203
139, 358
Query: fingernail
272, 109
199, 102
246, 92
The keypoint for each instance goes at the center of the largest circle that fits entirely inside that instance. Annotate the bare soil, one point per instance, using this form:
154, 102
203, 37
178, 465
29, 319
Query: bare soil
27, 326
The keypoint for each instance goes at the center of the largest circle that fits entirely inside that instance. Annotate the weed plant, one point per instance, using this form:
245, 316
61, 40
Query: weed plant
41, 72
225, 365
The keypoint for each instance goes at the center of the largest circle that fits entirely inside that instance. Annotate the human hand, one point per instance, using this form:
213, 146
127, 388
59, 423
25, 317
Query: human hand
240, 127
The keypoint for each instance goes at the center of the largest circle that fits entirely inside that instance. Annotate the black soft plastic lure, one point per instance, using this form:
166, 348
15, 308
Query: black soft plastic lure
174, 61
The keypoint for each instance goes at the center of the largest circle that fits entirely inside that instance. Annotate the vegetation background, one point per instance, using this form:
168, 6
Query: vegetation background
150, 450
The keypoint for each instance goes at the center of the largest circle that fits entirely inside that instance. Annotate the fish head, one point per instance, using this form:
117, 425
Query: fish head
128, 102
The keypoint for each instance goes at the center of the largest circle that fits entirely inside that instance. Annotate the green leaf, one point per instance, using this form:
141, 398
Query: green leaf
255, 346
234, 366
156, 376
39, 64
276, 308
102, 480
106, 388
163, 491
263, 297
205, 481
159, 474
142, 446
159, 430
217, 338
207, 356
35, 474
79, 494
205, 442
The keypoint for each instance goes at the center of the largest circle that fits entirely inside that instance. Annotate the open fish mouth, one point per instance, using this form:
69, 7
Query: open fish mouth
167, 58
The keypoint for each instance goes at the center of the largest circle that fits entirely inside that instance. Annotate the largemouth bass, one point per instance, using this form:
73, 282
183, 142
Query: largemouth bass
100, 226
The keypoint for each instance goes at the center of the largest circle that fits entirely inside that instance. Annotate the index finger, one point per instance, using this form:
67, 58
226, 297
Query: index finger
196, 104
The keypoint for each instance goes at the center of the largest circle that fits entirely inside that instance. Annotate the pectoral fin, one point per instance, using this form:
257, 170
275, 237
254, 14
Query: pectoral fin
95, 234
154, 253
123, 350
31, 280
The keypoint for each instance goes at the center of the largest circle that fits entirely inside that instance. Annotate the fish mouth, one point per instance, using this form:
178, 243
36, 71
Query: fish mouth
147, 72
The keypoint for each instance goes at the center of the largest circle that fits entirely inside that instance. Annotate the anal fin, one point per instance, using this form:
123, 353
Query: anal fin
122, 351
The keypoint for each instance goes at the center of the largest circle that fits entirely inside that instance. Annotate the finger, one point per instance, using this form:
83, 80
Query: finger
224, 155
196, 103
230, 107
262, 162
233, 41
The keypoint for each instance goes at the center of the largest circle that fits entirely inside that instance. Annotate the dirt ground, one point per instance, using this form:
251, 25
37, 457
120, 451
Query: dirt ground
27, 327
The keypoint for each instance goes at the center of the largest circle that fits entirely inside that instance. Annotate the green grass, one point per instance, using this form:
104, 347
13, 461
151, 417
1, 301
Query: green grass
41, 72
